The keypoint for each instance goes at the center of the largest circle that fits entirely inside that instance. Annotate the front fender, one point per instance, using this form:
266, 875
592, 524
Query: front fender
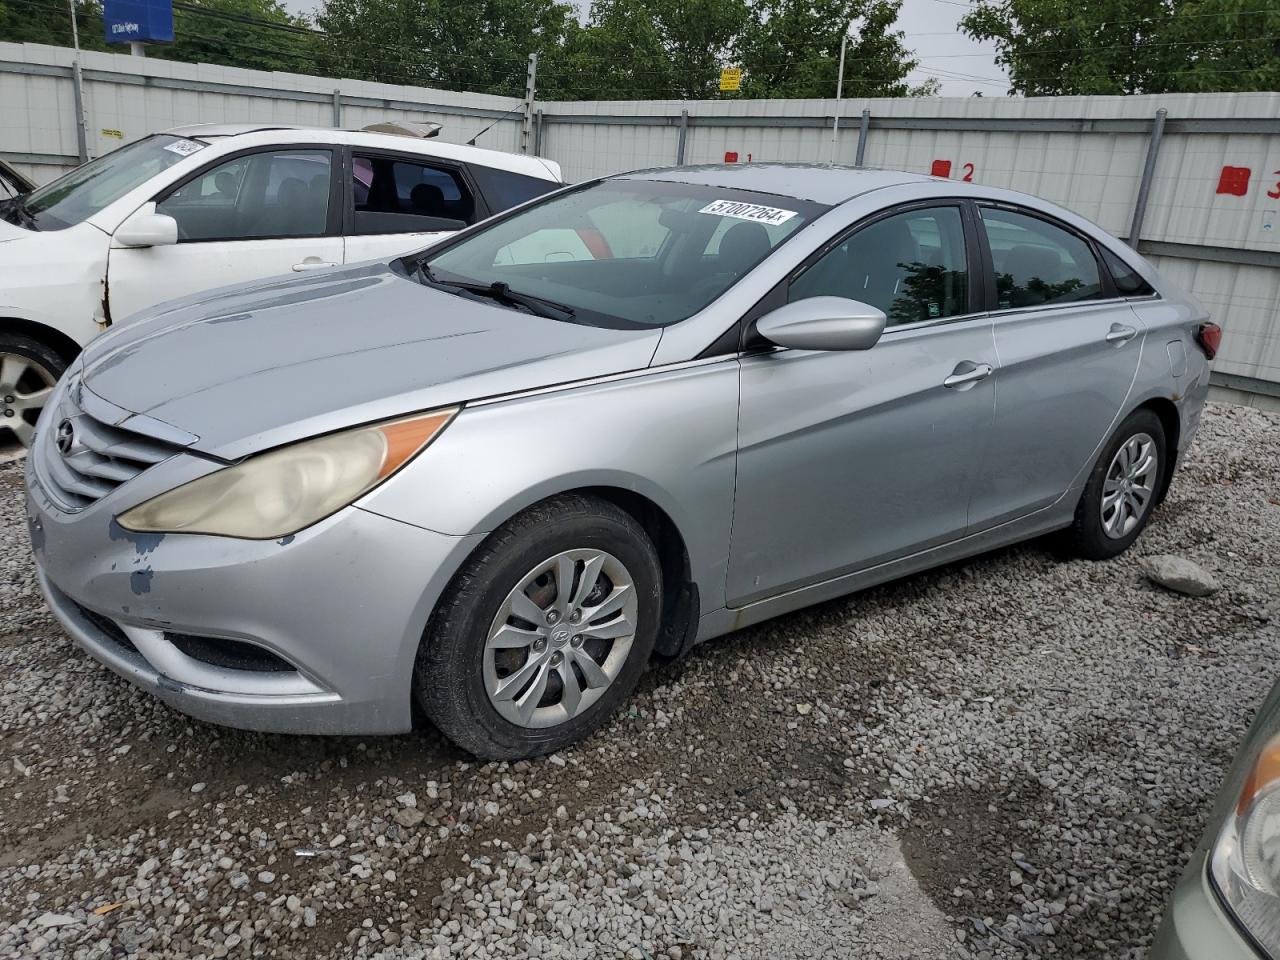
667, 435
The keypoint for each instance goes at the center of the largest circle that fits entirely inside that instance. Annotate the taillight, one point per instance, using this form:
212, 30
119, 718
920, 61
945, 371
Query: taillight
1209, 336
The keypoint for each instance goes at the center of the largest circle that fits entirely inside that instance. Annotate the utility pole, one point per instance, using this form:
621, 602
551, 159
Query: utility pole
835, 122
77, 76
530, 88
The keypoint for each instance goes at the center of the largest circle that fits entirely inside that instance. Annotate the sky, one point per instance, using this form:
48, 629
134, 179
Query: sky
943, 51
930, 26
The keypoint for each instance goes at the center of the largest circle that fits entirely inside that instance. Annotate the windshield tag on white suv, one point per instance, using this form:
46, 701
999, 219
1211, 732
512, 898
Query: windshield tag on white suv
184, 147
748, 211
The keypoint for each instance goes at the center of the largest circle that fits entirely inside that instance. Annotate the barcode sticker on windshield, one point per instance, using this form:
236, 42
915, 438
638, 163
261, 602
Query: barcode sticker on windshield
748, 211
184, 147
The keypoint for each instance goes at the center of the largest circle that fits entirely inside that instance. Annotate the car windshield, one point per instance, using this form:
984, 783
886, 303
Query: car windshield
620, 253
84, 191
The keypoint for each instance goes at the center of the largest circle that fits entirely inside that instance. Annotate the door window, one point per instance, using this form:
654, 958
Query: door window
911, 265
1037, 262
401, 196
260, 196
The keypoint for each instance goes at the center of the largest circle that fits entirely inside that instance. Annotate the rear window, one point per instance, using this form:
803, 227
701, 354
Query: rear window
1129, 282
504, 189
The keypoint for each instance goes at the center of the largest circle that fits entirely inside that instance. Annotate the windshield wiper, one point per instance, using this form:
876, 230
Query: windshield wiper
500, 292
16, 213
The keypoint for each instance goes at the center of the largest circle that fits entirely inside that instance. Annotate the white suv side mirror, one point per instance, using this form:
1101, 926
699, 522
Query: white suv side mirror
146, 228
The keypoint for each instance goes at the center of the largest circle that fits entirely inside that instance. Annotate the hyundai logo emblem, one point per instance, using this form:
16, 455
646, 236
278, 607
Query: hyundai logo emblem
65, 437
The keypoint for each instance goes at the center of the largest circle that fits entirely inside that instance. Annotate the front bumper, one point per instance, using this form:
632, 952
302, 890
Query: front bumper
1195, 926
338, 609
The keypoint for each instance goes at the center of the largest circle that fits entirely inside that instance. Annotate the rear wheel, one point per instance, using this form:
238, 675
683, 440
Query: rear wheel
1121, 492
28, 372
544, 632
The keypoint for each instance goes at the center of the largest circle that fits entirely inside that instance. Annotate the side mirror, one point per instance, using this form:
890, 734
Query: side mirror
146, 228
823, 323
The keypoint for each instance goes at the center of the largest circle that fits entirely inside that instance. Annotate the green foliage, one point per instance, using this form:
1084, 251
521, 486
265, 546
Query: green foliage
49, 21
792, 49
477, 45
1060, 47
221, 31
626, 49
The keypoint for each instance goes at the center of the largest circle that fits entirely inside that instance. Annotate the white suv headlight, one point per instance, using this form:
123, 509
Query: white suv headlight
1245, 862
281, 492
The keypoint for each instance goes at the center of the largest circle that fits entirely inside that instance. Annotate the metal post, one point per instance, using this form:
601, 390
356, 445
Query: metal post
337, 109
684, 137
863, 128
137, 48
77, 80
835, 121
530, 87
1148, 173
537, 133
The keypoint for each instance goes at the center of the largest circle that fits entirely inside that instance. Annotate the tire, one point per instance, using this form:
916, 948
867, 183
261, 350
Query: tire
28, 371
482, 698
1098, 532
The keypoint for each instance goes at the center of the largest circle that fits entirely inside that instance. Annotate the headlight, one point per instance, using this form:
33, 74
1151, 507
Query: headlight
1245, 864
283, 491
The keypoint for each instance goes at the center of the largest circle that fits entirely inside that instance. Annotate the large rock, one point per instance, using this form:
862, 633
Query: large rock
1180, 575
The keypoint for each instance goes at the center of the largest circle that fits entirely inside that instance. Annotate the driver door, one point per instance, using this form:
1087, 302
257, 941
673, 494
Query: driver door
256, 215
850, 459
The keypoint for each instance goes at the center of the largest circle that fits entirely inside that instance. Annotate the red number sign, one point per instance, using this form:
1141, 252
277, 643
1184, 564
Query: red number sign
1234, 181
940, 168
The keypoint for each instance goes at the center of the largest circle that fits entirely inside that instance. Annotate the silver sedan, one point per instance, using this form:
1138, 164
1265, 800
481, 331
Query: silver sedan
497, 477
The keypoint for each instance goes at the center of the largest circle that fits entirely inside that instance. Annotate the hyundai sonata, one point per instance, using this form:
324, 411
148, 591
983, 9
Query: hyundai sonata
497, 476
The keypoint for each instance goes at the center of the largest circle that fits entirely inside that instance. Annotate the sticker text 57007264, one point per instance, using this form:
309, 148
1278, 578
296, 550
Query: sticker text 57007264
748, 211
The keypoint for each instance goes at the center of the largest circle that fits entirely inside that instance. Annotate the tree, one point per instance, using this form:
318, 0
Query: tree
477, 45
256, 34
1069, 47
49, 21
791, 48
646, 49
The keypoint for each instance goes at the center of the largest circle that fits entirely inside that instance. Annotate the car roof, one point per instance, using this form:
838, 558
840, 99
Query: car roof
821, 183
263, 134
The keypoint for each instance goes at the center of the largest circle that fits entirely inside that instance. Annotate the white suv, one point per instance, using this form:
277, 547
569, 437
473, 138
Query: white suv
205, 206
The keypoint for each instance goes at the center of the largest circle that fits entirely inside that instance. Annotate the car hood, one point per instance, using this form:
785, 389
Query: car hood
9, 231
254, 366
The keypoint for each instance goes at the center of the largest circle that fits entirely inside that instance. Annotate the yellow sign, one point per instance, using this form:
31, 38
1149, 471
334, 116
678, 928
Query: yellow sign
112, 133
731, 78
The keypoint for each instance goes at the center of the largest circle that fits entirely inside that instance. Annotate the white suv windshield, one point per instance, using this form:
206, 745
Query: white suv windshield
84, 191
620, 253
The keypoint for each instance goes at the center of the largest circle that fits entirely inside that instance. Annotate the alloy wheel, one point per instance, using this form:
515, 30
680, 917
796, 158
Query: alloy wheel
560, 638
25, 386
1129, 486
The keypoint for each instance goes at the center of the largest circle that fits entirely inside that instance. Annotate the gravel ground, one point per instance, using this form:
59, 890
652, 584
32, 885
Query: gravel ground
1007, 757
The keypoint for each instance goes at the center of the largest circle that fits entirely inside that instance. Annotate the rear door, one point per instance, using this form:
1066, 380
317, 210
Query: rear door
256, 214
397, 203
1068, 346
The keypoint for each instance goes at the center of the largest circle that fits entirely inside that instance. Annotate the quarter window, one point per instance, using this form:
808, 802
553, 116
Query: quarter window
264, 195
400, 196
1127, 280
1037, 262
911, 265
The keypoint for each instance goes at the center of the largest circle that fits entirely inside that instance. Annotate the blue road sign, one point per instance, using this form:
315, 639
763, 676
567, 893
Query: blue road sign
129, 21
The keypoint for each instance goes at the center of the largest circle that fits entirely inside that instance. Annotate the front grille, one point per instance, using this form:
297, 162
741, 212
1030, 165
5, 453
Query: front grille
232, 654
84, 458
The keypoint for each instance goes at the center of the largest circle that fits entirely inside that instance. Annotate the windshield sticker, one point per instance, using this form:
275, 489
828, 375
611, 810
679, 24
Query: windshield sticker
748, 211
184, 148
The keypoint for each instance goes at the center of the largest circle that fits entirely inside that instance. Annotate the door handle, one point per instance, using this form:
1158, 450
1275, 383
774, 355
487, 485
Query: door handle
312, 263
1119, 333
967, 373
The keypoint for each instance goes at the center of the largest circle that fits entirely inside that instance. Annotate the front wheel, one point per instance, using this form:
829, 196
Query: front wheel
1121, 492
28, 372
544, 632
